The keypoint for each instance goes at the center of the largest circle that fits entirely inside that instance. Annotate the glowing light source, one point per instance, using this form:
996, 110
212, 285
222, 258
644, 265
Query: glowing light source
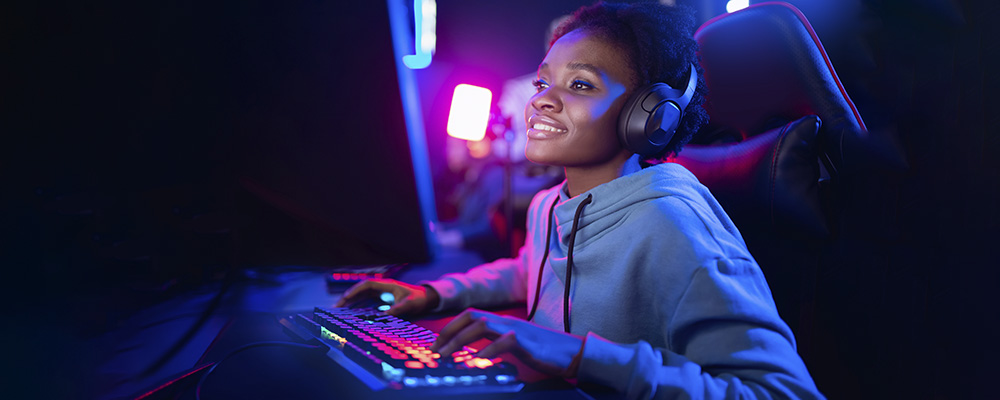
428, 38
387, 297
736, 5
327, 334
470, 112
424, 34
480, 363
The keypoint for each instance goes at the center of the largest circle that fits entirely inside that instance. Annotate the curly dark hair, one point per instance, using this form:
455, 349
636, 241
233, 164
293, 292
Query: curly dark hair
659, 46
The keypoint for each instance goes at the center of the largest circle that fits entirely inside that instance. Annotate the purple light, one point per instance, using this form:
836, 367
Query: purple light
470, 112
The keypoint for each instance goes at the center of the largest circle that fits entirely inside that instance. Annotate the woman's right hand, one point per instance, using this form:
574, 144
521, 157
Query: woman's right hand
410, 299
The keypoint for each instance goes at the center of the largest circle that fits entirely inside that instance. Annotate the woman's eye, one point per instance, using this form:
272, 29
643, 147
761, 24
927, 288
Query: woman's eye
539, 85
581, 85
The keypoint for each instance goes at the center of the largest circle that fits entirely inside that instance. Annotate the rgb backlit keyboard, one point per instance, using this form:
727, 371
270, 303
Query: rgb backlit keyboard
386, 352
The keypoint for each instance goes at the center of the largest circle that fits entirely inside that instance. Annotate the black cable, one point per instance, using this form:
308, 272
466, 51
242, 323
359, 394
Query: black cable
201, 381
180, 343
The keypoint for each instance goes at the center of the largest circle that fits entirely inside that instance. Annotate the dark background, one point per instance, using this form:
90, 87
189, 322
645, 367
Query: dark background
118, 118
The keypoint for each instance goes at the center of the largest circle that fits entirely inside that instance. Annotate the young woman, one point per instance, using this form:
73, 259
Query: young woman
634, 276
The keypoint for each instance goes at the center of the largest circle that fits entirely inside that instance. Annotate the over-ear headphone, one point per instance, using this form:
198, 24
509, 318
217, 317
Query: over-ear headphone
651, 115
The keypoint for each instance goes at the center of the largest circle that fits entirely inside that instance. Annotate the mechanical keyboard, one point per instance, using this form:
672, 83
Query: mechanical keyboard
389, 353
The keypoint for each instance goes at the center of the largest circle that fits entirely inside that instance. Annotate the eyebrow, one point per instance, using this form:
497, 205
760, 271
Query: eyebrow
584, 67
576, 66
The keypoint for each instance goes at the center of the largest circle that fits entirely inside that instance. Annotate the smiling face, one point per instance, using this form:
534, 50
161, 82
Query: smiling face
572, 120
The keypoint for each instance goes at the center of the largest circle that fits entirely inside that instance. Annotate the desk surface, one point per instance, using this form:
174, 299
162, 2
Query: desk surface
247, 313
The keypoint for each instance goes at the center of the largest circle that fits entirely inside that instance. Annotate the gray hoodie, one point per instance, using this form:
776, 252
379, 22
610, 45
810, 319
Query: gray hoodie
662, 285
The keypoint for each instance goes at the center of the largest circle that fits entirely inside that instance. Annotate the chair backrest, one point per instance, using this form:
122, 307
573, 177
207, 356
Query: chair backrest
770, 80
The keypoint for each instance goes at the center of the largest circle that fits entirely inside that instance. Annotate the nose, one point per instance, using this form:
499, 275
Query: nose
546, 100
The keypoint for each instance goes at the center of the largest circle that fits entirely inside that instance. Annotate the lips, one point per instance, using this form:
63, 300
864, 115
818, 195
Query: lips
543, 127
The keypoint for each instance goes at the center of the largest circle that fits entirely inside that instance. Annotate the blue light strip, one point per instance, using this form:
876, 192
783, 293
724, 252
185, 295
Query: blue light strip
421, 59
414, 118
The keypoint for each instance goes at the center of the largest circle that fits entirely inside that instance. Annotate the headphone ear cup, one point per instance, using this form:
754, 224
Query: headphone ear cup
666, 119
632, 121
651, 115
645, 112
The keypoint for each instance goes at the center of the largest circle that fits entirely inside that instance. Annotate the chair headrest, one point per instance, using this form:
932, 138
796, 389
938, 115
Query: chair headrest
768, 182
765, 64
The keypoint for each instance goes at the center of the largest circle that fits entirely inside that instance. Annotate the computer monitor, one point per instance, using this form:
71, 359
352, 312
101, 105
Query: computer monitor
330, 161
161, 142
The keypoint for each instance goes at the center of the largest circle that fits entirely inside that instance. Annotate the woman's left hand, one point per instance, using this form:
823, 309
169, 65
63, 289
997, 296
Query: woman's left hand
545, 350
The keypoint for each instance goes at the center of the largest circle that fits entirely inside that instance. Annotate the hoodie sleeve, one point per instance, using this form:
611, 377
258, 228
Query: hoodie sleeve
503, 281
726, 341
497, 283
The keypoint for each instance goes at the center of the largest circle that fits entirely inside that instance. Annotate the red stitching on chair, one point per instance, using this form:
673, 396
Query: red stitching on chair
826, 59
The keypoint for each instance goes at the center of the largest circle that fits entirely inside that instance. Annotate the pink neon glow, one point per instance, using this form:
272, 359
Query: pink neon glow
470, 112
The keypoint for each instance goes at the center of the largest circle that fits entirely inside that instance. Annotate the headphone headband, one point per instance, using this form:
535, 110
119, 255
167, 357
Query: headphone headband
689, 91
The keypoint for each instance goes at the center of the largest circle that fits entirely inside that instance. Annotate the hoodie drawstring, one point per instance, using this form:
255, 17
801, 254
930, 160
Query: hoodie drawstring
569, 260
545, 256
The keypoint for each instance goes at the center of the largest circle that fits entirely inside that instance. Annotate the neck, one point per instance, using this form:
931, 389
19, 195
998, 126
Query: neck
582, 179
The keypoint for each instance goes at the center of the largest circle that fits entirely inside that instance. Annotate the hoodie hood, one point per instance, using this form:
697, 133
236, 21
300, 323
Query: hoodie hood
612, 201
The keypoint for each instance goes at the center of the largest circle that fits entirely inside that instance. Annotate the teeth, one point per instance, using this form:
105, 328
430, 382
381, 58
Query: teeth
543, 127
